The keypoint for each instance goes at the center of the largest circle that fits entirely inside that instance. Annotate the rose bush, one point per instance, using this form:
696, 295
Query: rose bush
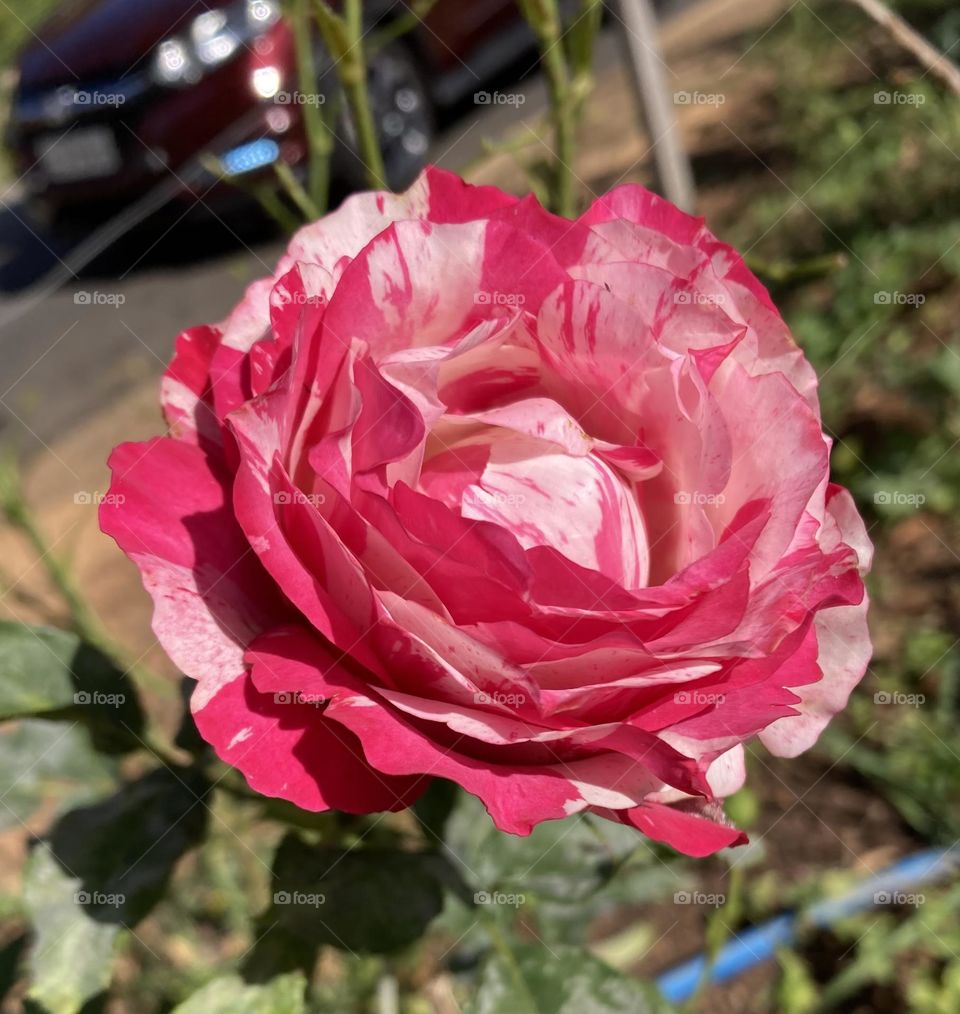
467, 490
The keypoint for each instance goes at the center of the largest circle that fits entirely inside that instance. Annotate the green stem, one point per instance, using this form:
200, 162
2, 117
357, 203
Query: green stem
580, 40
399, 26
268, 199
316, 123
544, 18
355, 88
795, 271
343, 35
295, 191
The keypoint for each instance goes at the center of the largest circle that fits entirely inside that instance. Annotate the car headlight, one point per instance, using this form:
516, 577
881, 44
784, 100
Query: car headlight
211, 39
174, 63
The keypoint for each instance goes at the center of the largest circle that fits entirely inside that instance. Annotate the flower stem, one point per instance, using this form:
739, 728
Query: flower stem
343, 36
544, 18
316, 120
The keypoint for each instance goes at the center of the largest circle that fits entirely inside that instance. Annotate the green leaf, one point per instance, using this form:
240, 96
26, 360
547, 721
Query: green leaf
563, 980
188, 736
10, 956
71, 958
369, 900
570, 872
231, 995
43, 762
277, 950
565, 860
434, 808
124, 848
35, 669
45, 671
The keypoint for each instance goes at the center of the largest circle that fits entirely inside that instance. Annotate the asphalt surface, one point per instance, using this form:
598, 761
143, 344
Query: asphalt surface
72, 339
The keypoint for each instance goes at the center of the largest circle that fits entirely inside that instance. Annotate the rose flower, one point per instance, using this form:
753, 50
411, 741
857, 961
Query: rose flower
470, 491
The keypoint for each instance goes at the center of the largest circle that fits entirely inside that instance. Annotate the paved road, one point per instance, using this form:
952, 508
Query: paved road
67, 351
64, 353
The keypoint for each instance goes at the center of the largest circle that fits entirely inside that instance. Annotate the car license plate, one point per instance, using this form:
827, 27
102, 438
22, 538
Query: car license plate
84, 153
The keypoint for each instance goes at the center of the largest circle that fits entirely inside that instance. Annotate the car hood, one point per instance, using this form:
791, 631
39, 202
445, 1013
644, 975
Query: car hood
94, 40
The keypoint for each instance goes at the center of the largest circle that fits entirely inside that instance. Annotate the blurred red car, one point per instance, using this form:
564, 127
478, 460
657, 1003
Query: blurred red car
114, 96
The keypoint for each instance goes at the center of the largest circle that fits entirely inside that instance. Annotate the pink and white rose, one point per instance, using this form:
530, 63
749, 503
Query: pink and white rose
470, 491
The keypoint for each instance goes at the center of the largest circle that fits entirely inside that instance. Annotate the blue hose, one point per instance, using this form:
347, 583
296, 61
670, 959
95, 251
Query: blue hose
760, 943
